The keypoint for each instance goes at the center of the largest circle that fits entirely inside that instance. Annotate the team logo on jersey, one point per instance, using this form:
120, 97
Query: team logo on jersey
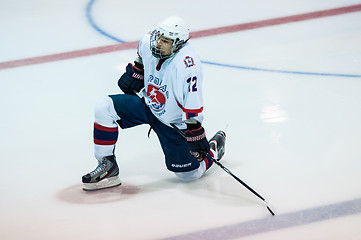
188, 61
157, 97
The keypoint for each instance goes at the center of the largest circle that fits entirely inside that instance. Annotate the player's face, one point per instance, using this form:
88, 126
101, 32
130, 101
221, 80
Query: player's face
164, 45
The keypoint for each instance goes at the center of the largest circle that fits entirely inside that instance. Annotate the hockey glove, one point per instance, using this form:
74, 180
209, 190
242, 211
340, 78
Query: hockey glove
197, 141
132, 80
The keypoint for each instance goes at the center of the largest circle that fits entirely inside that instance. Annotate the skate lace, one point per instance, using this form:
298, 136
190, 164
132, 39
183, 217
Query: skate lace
100, 168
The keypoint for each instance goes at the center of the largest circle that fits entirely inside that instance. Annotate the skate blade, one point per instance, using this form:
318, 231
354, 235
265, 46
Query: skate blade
103, 184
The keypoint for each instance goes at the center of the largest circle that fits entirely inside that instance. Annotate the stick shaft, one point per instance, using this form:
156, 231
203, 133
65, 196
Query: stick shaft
228, 171
243, 183
238, 179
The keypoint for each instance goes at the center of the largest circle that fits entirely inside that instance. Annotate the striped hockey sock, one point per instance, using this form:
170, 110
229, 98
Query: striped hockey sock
208, 161
105, 135
105, 139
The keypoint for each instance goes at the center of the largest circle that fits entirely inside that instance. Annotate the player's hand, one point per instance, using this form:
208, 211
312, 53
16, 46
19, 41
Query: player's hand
132, 80
197, 141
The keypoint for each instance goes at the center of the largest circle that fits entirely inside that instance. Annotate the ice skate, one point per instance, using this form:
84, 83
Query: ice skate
217, 143
105, 175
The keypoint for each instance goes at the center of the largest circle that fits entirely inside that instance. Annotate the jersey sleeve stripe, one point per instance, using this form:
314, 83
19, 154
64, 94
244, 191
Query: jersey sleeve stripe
190, 112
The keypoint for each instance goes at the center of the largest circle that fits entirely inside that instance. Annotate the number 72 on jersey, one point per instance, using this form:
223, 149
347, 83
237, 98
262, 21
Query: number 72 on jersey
192, 87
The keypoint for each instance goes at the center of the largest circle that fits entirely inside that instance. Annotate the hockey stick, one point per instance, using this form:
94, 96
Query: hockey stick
228, 171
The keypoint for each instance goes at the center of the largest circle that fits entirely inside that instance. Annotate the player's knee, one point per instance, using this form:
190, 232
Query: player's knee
190, 176
104, 112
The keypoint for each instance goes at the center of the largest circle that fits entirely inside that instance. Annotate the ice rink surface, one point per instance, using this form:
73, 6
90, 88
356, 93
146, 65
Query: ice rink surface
289, 93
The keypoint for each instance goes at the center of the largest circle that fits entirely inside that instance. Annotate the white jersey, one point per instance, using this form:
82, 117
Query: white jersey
173, 88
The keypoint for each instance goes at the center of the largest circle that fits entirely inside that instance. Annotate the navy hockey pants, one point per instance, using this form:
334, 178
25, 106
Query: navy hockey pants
133, 111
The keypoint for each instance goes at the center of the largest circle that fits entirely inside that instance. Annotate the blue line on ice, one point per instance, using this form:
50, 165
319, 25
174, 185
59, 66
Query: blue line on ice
98, 29
283, 71
89, 16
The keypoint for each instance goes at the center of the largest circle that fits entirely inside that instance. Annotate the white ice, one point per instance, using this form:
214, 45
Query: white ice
294, 138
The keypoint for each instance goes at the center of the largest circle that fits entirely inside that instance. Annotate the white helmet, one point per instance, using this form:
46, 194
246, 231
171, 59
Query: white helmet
173, 28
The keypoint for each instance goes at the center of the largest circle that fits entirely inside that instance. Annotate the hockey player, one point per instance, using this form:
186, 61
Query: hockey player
163, 87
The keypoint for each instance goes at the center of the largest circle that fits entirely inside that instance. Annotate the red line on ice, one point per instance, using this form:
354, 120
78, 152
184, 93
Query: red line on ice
197, 34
